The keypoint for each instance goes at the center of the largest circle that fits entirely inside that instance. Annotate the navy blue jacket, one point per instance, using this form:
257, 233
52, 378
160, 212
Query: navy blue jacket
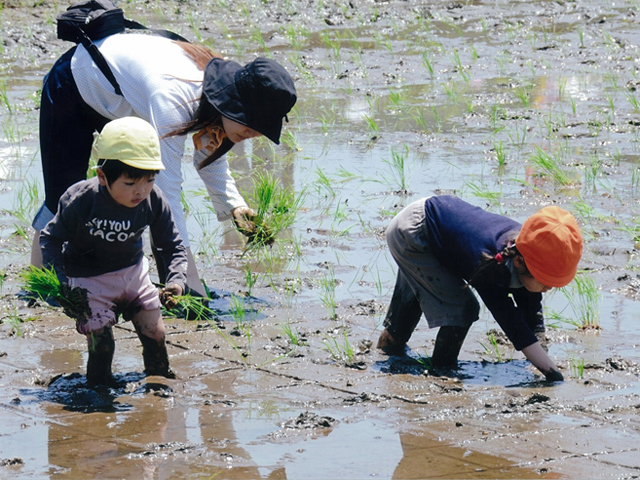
459, 234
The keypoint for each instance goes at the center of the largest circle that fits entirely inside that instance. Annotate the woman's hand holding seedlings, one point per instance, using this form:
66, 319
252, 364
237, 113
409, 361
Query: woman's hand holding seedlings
539, 358
168, 295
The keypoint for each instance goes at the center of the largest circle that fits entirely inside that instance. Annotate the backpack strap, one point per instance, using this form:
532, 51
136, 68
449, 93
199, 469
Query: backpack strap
101, 62
99, 59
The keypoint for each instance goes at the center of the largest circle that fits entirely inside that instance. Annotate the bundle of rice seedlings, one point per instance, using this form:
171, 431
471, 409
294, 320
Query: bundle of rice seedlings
276, 209
42, 282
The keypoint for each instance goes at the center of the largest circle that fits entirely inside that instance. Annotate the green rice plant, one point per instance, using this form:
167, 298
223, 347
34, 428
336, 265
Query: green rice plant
577, 367
584, 298
633, 100
480, 191
372, 124
333, 45
290, 141
243, 355
194, 25
460, 68
420, 119
524, 94
340, 351
250, 278
451, 89
193, 307
4, 96
42, 282
398, 172
276, 209
492, 349
501, 156
328, 294
426, 61
324, 184
550, 166
293, 335
15, 321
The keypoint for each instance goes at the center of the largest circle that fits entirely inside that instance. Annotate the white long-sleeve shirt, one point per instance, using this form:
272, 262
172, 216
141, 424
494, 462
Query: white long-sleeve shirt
161, 85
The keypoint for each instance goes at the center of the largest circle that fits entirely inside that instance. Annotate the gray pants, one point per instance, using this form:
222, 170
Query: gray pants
423, 285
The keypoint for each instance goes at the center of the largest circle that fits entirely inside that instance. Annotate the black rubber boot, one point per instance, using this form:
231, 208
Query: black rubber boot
403, 315
101, 349
448, 345
155, 357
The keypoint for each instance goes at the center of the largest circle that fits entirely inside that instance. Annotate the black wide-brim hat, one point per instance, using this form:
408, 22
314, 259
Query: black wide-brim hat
258, 95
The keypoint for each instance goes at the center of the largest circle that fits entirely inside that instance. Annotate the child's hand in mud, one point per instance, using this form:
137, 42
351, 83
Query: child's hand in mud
168, 295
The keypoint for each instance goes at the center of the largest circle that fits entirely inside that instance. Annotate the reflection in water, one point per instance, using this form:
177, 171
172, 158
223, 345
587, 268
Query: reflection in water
425, 457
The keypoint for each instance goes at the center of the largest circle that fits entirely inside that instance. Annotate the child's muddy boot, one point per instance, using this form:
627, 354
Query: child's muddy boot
448, 345
156, 358
101, 350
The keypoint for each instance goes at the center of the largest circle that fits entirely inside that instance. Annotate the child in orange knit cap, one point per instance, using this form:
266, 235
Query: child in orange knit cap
443, 245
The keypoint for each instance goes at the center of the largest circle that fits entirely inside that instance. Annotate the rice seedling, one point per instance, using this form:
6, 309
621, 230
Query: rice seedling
290, 141
398, 171
15, 321
426, 61
524, 95
633, 100
577, 367
372, 124
340, 351
328, 294
501, 156
584, 298
451, 89
492, 349
276, 209
460, 68
324, 184
293, 335
550, 166
480, 191
330, 43
256, 34
193, 307
42, 282
250, 278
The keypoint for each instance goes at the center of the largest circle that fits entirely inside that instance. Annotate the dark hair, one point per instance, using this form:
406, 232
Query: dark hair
492, 270
206, 115
113, 169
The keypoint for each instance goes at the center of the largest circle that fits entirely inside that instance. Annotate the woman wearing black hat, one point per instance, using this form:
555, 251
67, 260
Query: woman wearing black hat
179, 88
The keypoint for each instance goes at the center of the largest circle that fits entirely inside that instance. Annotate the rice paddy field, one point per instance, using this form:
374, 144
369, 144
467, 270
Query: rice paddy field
510, 105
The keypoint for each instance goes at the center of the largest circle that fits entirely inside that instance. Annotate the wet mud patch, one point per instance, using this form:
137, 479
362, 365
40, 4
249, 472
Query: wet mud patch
75, 395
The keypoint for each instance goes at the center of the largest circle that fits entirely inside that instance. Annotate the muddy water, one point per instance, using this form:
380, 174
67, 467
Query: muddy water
474, 98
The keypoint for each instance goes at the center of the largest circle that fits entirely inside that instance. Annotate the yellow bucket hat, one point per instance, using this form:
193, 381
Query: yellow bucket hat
131, 140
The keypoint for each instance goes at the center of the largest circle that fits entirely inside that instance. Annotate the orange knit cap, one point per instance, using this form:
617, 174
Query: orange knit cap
551, 244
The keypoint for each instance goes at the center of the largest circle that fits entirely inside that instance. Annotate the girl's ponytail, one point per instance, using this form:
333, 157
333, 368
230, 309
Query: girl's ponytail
492, 269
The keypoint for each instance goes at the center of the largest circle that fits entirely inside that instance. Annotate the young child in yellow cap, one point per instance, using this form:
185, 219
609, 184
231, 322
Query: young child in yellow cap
95, 244
443, 245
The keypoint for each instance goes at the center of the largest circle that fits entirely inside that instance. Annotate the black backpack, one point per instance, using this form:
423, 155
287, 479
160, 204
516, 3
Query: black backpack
95, 19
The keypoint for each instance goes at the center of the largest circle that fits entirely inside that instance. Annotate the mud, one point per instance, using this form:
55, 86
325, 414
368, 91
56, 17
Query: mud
510, 105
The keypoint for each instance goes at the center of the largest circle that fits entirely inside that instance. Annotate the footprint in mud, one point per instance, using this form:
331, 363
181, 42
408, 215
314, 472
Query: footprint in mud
73, 392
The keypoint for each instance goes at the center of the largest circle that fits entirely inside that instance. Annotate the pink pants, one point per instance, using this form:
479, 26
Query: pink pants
125, 291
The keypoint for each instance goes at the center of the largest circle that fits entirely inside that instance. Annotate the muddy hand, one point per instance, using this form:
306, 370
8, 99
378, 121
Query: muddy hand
74, 302
168, 295
244, 220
